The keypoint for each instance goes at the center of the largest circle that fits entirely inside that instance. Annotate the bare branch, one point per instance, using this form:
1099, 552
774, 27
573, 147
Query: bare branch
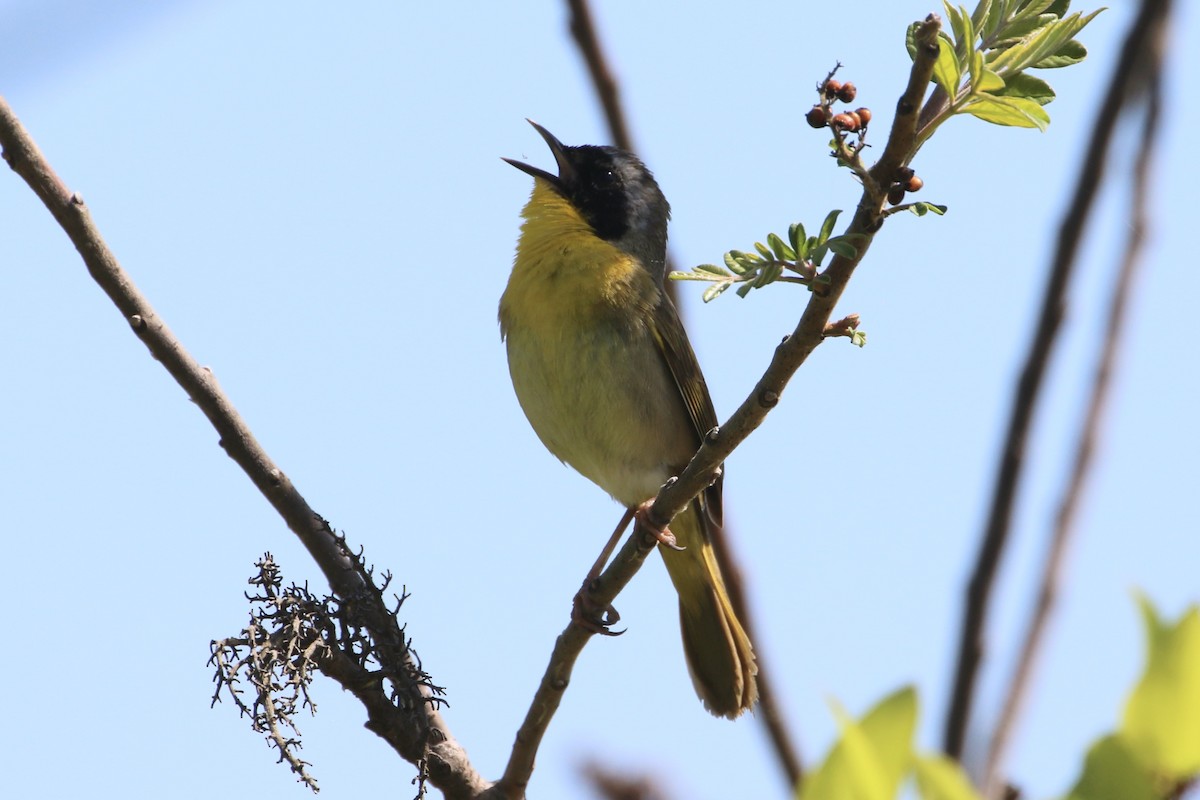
1143, 82
1028, 388
417, 732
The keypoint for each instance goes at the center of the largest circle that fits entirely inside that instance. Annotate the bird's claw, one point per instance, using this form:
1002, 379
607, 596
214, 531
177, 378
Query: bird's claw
591, 616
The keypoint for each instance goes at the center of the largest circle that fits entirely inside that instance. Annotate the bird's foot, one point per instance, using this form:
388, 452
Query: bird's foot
661, 533
590, 615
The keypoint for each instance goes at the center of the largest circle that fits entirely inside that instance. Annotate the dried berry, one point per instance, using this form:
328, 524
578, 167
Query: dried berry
864, 114
913, 184
896, 194
817, 116
847, 93
845, 122
832, 87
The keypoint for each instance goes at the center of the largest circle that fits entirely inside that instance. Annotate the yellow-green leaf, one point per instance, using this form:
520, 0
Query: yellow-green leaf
941, 778
1112, 772
889, 727
1162, 717
945, 69
871, 757
989, 81
1025, 85
1014, 111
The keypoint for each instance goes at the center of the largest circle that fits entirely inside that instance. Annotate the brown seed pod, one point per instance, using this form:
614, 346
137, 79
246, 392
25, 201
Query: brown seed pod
913, 184
904, 173
845, 122
832, 87
817, 116
864, 114
896, 194
847, 93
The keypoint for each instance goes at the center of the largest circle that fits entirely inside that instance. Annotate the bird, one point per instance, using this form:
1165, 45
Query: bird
603, 369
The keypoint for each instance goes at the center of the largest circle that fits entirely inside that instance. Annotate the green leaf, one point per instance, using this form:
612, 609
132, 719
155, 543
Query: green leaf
1025, 85
714, 291
744, 290
989, 81
979, 16
731, 262
827, 226
1059, 8
764, 251
781, 250
1041, 44
842, 247
797, 237
945, 70
960, 23
889, 727
1017, 112
1112, 772
851, 771
995, 14
921, 208
1162, 717
871, 757
942, 778
858, 338
712, 269
1070, 53
910, 40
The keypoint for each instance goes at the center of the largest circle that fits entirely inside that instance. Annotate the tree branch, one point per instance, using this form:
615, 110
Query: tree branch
417, 730
1028, 389
1142, 81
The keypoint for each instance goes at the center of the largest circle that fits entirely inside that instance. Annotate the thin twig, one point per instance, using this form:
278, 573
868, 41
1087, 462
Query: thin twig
421, 731
1027, 395
583, 30
1144, 81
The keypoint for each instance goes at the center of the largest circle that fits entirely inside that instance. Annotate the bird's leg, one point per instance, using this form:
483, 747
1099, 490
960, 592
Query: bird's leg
584, 611
663, 533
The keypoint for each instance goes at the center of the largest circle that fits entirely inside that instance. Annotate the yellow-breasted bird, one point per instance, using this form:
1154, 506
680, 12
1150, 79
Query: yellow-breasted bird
604, 371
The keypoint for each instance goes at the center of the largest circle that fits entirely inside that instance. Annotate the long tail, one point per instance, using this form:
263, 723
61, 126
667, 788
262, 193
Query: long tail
719, 655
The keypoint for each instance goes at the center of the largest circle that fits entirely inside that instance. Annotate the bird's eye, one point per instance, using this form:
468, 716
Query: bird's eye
605, 179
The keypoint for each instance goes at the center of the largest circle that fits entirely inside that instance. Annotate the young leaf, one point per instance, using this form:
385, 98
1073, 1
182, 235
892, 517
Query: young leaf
840, 246
889, 727
1162, 718
921, 208
712, 269
781, 250
733, 264
712, 292
1070, 53
797, 237
945, 69
1111, 772
764, 251
1017, 112
827, 225
942, 778
1025, 85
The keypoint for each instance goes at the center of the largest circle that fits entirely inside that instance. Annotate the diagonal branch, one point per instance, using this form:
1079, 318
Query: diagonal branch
702, 470
417, 733
1142, 82
1028, 389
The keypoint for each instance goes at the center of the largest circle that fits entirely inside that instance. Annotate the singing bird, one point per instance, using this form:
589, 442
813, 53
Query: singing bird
603, 370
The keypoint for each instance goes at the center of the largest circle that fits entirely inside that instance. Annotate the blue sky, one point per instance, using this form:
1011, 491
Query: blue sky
314, 201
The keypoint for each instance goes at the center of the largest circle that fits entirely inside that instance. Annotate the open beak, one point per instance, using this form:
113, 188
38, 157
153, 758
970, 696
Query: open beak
565, 171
